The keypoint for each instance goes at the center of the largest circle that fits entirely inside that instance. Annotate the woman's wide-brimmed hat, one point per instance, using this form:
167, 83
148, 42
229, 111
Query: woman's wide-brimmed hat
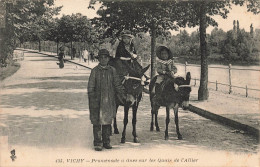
163, 47
126, 33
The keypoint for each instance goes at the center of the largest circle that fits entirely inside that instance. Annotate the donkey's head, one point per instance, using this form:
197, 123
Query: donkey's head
178, 90
183, 90
134, 83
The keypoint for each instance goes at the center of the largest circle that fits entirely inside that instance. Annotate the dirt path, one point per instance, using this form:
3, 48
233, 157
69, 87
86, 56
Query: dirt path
44, 117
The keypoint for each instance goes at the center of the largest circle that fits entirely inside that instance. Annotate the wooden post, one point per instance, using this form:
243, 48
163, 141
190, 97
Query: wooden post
186, 67
246, 91
230, 83
216, 85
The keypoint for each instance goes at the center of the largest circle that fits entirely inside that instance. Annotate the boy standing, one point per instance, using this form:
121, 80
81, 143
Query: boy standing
103, 87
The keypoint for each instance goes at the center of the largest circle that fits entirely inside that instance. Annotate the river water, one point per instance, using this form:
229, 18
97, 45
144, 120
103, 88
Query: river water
241, 76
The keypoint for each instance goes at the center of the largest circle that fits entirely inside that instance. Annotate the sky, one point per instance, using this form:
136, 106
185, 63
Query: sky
236, 13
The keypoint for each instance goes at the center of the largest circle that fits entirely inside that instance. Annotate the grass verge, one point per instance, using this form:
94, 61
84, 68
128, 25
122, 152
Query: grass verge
8, 71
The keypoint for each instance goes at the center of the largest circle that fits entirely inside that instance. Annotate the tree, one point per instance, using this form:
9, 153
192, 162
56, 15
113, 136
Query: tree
201, 12
252, 30
53, 32
21, 19
238, 29
155, 17
74, 28
31, 19
216, 39
234, 26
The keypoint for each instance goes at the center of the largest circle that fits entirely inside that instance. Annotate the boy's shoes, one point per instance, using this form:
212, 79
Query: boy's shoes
98, 148
107, 146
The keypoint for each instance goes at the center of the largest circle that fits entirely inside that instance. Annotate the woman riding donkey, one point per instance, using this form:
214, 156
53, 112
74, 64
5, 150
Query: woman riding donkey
126, 54
165, 68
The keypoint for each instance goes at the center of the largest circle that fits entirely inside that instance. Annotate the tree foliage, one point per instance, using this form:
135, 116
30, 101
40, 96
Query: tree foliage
154, 17
25, 20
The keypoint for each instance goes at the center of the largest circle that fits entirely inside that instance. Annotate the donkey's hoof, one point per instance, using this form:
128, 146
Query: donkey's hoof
157, 129
116, 131
136, 140
151, 128
122, 140
166, 137
180, 137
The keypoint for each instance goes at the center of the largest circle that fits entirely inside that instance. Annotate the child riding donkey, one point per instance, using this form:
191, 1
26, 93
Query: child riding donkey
165, 68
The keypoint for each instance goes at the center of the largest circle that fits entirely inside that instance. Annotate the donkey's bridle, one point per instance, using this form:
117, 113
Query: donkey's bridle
129, 77
185, 86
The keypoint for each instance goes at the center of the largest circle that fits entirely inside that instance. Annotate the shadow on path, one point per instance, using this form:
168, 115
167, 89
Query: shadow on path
47, 101
56, 97
47, 131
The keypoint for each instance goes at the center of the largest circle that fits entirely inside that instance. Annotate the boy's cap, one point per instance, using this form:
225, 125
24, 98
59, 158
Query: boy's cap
162, 47
103, 52
127, 33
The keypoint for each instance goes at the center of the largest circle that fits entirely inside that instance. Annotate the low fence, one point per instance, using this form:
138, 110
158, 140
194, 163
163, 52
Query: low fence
248, 78
229, 85
18, 55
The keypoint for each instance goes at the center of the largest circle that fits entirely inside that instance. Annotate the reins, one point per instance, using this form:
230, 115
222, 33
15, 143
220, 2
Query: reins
185, 86
129, 77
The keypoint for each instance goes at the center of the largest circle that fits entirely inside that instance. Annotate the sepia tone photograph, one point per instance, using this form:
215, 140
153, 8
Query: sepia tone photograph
139, 83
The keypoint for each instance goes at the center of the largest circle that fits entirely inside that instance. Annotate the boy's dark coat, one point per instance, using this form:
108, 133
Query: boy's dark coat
102, 88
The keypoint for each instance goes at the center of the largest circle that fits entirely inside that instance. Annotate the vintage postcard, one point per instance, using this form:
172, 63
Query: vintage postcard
70, 67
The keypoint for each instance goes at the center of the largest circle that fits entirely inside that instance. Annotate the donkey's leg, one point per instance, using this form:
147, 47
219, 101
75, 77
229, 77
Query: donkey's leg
154, 112
177, 122
115, 127
151, 127
115, 123
126, 109
156, 119
167, 122
135, 106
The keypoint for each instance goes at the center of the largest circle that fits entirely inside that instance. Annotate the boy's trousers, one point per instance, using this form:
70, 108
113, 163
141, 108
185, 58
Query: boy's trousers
101, 134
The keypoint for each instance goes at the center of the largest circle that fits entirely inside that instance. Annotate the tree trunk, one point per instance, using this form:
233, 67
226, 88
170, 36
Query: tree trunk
153, 56
57, 47
203, 93
71, 54
39, 45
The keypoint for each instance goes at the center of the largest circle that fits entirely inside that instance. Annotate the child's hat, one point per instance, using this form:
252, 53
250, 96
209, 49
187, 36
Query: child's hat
126, 33
162, 47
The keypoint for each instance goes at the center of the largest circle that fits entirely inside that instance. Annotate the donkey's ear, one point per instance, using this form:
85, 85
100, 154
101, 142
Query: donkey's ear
145, 69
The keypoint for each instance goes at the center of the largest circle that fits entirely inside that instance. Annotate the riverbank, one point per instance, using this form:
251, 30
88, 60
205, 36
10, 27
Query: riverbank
8, 71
